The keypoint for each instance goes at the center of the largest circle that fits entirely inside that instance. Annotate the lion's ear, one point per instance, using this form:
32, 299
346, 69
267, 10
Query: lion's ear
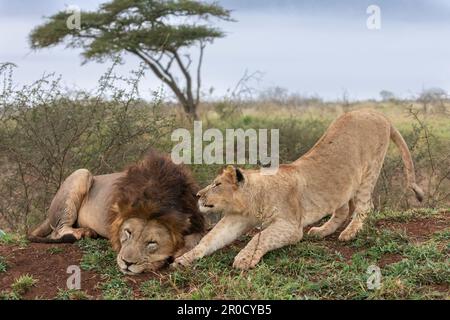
229, 169
239, 175
236, 174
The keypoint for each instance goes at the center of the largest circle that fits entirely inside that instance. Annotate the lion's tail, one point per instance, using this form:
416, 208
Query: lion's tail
41, 233
68, 238
408, 162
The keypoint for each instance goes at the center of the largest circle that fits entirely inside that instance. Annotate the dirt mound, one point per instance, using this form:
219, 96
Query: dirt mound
418, 229
48, 265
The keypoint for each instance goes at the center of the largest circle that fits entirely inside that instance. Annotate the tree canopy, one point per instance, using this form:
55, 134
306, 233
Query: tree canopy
156, 31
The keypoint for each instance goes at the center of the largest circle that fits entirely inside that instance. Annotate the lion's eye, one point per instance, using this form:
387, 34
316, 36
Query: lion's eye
152, 245
127, 234
217, 184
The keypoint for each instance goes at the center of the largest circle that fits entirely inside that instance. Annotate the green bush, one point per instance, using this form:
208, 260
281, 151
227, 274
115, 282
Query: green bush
47, 132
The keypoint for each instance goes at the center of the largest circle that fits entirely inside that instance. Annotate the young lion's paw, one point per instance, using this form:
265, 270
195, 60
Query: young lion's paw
346, 236
245, 262
317, 232
184, 261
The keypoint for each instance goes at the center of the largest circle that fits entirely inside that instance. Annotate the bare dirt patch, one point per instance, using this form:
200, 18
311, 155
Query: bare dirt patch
444, 287
48, 266
346, 252
419, 229
332, 242
388, 259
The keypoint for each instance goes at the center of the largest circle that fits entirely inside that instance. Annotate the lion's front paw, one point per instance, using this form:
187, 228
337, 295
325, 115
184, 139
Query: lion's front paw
185, 260
347, 236
317, 232
245, 262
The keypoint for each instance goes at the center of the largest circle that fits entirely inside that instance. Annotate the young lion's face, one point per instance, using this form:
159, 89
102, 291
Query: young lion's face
145, 246
224, 194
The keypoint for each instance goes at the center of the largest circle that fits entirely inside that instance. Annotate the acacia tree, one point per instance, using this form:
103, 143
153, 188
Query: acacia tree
159, 32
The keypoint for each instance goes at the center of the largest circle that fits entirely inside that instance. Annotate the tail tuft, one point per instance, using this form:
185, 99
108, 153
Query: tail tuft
67, 238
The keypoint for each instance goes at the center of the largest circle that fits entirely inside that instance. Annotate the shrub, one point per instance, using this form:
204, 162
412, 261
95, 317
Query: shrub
47, 132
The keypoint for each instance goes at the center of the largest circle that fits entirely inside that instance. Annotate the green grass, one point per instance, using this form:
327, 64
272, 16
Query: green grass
99, 256
8, 295
442, 236
55, 250
312, 269
19, 287
116, 288
22, 285
72, 295
3, 264
405, 216
14, 239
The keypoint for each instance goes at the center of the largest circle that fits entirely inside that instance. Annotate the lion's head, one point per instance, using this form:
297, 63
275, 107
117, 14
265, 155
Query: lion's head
154, 209
225, 193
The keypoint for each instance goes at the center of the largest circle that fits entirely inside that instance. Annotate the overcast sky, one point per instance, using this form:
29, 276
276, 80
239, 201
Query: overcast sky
310, 47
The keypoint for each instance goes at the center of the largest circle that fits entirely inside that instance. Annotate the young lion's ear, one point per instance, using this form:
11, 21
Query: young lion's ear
236, 174
239, 175
229, 169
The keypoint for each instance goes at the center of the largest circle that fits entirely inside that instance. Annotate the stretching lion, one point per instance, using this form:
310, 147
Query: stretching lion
337, 176
149, 212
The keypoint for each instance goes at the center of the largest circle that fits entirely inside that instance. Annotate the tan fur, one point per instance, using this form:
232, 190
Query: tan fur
336, 176
149, 212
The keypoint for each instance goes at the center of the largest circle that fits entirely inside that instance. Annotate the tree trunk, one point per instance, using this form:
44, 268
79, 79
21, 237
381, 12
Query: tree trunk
191, 110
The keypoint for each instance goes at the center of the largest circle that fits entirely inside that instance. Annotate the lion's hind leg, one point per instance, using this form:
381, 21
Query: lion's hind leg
63, 212
330, 227
363, 206
43, 230
71, 235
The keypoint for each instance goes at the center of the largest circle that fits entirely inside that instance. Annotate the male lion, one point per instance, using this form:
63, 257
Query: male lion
337, 176
149, 212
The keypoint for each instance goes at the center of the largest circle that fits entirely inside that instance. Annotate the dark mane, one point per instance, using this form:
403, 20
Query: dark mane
156, 188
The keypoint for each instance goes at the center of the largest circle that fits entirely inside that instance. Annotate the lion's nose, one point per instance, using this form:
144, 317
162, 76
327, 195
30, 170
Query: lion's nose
127, 263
